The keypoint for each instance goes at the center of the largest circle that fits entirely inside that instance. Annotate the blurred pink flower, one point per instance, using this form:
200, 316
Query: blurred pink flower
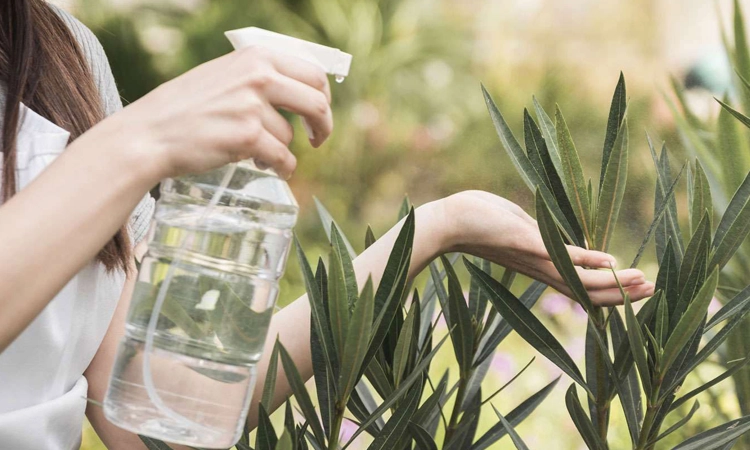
348, 428
714, 306
503, 365
554, 304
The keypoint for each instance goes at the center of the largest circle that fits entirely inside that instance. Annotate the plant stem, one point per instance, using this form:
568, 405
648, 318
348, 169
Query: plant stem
650, 418
333, 441
462, 383
602, 393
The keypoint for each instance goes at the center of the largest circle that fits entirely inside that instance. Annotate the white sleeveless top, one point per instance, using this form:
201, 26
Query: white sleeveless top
42, 387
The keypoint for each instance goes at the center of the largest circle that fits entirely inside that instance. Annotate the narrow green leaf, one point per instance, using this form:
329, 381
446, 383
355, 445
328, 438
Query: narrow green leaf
669, 224
690, 321
738, 115
541, 159
581, 421
430, 409
733, 368
519, 413
392, 287
629, 390
265, 438
637, 345
406, 343
668, 276
733, 227
523, 165
679, 424
517, 441
328, 223
614, 122
399, 392
338, 299
405, 207
422, 437
612, 189
693, 269
270, 384
498, 329
550, 135
731, 147
369, 237
477, 300
301, 394
526, 324
718, 436
734, 306
460, 328
660, 210
572, 175
559, 254
318, 311
357, 340
339, 246
398, 423
662, 321
285, 441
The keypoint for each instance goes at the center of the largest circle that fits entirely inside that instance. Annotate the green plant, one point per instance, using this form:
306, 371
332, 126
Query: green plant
724, 145
654, 351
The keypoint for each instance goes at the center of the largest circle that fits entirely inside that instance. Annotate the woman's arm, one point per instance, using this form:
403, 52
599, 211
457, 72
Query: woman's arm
222, 111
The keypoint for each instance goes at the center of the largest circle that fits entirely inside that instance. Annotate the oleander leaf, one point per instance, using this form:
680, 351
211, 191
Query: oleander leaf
679, 424
357, 340
733, 368
572, 175
612, 189
581, 421
717, 437
300, 393
269, 386
744, 120
629, 390
369, 237
637, 345
406, 343
736, 305
423, 439
398, 423
265, 438
550, 135
328, 223
614, 123
459, 325
526, 324
733, 227
517, 441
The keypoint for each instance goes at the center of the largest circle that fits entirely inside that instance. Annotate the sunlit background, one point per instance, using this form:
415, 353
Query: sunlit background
410, 119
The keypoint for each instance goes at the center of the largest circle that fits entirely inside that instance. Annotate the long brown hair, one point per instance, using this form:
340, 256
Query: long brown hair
42, 65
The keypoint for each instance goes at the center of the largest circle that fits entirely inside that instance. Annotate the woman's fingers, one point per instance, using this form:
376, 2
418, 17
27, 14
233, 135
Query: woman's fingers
303, 71
277, 125
591, 258
609, 297
297, 97
268, 151
604, 279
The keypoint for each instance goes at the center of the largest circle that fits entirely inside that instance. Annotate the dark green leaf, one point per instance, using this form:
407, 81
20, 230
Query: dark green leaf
614, 122
357, 339
517, 441
265, 438
405, 207
477, 299
738, 115
406, 344
270, 384
581, 421
398, 423
629, 390
736, 305
421, 437
545, 167
550, 135
660, 210
523, 165
637, 345
338, 299
717, 437
526, 324
734, 225
369, 237
733, 368
558, 252
399, 392
318, 311
460, 328
300, 393
572, 175
679, 423
515, 417
662, 322
690, 321
328, 223
612, 188
668, 226
666, 280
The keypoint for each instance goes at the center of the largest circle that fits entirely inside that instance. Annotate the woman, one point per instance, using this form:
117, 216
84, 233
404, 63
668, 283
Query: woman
72, 223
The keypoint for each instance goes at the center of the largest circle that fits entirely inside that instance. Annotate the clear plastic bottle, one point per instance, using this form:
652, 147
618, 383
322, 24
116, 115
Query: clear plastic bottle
186, 367
214, 319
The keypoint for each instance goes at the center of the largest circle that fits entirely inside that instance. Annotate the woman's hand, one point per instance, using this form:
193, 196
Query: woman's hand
225, 111
496, 229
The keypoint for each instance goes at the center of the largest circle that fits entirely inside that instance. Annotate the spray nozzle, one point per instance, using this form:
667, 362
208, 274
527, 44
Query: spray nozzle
332, 60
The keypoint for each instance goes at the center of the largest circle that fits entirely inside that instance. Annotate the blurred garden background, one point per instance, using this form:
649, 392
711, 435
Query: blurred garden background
410, 118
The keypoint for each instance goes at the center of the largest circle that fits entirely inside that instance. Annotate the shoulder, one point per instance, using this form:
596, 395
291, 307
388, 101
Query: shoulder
96, 58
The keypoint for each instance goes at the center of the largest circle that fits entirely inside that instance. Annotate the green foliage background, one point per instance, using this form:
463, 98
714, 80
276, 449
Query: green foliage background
411, 119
